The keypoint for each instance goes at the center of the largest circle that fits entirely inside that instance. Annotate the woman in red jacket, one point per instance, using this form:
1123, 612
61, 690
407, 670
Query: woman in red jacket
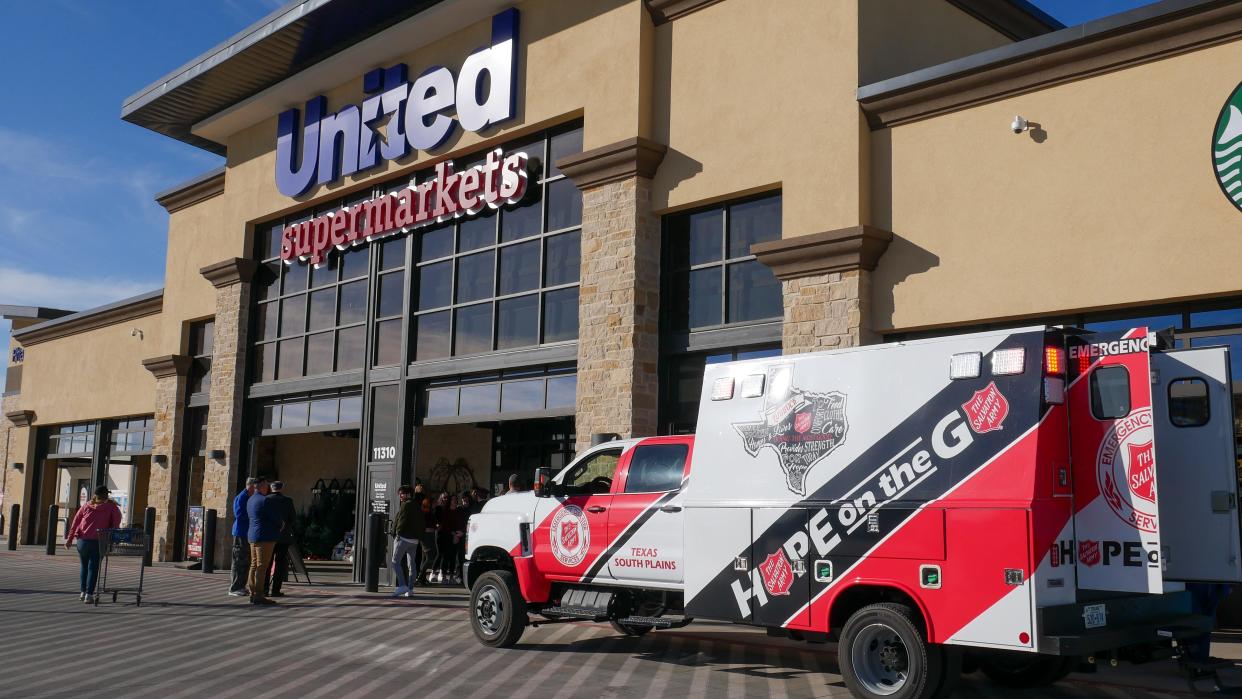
99, 513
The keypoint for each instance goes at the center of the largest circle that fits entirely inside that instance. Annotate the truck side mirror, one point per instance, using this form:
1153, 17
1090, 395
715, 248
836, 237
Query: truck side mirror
543, 482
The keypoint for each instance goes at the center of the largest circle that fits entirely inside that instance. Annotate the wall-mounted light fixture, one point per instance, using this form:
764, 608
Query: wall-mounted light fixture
136, 333
17, 465
216, 455
160, 459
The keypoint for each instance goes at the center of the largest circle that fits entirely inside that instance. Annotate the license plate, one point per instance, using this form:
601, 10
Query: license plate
1094, 616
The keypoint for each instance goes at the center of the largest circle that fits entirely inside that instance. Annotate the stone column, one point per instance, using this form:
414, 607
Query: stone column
170, 373
228, 385
619, 300
18, 448
826, 286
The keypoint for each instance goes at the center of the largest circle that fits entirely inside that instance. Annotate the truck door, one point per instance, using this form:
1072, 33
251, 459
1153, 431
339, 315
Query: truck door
573, 531
645, 523
1113, 453
1196, 464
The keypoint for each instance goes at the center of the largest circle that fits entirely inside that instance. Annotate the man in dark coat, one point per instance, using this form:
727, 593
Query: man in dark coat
264, 531
241, 547
280, 554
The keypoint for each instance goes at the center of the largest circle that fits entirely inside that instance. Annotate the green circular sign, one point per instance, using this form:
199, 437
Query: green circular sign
1227, 148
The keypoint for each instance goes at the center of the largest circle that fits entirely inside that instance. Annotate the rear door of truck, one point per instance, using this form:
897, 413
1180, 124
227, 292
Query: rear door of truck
1113, 448
1196, 463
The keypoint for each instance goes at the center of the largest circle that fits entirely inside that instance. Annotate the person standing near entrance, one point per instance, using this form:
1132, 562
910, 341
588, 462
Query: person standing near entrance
264, 531
99, 513
407, 529
280, 554
241, 547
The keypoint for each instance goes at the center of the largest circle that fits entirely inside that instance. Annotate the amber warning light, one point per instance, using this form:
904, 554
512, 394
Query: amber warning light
1054, 361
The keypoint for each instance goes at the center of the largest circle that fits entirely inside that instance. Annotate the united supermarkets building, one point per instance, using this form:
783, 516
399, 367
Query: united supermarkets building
455, 239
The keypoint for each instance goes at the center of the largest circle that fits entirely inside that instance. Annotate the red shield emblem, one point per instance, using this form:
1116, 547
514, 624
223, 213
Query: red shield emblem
569, 534
1089, 552
987, 409
777, 574
1141, 474
802, 422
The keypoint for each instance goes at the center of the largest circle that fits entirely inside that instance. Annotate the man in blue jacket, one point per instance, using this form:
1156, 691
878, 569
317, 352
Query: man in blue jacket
241, 547
265, 526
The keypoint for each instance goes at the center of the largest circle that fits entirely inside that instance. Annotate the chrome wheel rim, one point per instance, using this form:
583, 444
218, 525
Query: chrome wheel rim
488, 610
881, 660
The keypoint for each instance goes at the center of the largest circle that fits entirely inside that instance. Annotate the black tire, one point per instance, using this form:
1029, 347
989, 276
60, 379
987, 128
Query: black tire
1025, 670
894, 659
497, 610
628, 629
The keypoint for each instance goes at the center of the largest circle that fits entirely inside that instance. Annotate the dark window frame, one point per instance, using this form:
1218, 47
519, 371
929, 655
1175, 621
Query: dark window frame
1207, 399
1096, 397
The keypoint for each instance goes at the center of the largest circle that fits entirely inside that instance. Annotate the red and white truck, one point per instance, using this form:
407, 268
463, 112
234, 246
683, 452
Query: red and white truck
1023, 499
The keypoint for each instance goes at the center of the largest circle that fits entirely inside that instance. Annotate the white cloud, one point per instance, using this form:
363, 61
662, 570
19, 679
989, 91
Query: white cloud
23, 288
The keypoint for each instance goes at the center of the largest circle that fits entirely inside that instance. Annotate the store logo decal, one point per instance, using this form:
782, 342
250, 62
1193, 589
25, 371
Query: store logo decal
397, 116
1227, 148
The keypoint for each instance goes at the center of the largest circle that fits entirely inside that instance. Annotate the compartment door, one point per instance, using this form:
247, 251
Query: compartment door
779, 555
1113, 454
1197, 467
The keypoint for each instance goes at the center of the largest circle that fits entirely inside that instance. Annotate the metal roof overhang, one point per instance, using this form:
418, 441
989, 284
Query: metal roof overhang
287, 41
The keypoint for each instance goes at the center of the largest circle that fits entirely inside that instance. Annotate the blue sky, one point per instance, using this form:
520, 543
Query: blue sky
78, 223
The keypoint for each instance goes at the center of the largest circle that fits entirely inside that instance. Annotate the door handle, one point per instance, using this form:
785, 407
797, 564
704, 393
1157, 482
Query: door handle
596, 508
671, 508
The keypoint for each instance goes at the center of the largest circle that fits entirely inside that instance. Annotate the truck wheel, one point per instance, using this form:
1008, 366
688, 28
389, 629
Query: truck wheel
497, 610
883, 653
628, 629
1025, 670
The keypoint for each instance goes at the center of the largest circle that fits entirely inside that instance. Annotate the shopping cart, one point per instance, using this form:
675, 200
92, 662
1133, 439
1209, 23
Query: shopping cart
117, 578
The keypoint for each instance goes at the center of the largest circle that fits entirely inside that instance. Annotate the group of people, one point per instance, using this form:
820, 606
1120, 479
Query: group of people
263, 519
429, 536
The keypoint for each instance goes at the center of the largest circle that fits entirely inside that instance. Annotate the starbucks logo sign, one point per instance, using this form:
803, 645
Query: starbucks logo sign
1227, 148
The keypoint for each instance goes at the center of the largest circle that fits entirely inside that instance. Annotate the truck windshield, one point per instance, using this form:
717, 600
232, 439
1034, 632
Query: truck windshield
592, 475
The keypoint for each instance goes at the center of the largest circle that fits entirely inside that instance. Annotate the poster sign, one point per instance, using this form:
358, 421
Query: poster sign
194, 533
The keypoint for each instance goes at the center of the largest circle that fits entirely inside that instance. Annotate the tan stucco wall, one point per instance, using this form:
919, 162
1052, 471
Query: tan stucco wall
753, 95
198, 236
92, 375
899, 36
1117, 206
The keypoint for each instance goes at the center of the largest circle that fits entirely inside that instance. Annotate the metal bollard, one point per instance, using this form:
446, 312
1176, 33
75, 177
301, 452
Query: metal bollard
14, 511
209, 541
52, 512
375, 549
148, 530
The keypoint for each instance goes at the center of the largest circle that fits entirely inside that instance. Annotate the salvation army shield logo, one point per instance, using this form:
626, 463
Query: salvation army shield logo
987, 409
1089, 552
801, 429
1227, 148
777, 574
570, 536
1126, 470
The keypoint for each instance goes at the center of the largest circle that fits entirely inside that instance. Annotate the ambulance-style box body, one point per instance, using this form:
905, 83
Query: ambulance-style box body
1039, 493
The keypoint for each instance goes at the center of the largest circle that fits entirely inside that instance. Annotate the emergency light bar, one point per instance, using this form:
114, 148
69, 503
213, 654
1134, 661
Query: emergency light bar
1007, 362
965, 365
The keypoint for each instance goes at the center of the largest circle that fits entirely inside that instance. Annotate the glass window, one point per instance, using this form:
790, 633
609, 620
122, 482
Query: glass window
437, 243
267, 321
475, 277
294, 415
560, 315
564, 258
290, 365
265, 280
323, 412
388, 342
593, 474
354, 262
392, 253
384, 411
473, 331
753, 222
480, 400
656, 468
562, 391
706, 231
273, 236
442, 402
519, 267
705, 297
568, 143
319, 353
1110, 392
522, 220
564, 205
1188, 403
391, 295
350, 348
1208, 319
1152, 322
435, 285
326, 273
753, 291
322, 309
353, 302
351, 409
517, 322
522, 395
265, 362
294, 278
293, 315
433, 336
475, 233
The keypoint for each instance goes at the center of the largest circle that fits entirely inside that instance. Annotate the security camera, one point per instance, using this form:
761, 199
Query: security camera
1019, 124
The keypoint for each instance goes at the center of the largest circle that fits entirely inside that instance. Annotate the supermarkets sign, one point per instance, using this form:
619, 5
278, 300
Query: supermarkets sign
1227, 148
